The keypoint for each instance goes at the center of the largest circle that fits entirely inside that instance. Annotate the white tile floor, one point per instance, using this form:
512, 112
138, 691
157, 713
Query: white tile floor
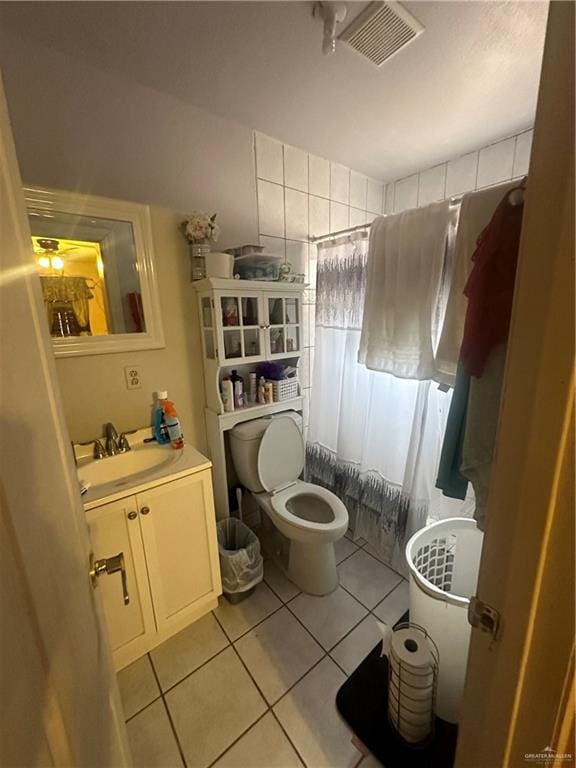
253, 685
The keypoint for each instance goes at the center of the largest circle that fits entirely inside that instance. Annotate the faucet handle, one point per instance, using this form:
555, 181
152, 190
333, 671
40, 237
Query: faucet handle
123, 444
111, 439
99, 452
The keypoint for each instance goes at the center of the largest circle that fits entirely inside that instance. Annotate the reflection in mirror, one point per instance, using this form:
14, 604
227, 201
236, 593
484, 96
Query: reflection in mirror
88, 274
95, 262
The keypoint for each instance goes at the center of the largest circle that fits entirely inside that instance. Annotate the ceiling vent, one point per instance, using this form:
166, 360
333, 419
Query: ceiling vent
382, 30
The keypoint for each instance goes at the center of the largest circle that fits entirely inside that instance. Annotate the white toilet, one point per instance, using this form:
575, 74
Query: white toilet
268, 456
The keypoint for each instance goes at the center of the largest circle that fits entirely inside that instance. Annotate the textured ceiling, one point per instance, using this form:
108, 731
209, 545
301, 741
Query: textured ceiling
471, 78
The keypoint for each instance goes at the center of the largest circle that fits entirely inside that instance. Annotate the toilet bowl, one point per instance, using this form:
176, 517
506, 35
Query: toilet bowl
268, 455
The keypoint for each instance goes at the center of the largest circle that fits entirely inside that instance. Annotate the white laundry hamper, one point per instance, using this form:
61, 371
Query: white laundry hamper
444, 559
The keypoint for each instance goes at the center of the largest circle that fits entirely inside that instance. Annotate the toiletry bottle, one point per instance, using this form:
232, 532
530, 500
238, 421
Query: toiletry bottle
261, 390
227, 395
268, 392
159, 428
173, 424
238, 385
253, 388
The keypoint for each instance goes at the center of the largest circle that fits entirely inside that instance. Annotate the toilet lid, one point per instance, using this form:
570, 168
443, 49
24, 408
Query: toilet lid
281, 454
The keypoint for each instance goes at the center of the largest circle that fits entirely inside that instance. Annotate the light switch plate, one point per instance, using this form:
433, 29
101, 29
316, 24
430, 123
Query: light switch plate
132, 374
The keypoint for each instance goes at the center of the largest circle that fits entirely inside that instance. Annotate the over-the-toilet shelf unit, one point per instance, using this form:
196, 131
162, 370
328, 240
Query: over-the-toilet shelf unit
244, 323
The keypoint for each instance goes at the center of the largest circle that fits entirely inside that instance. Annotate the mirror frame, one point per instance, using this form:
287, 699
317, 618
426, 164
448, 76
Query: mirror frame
47, 200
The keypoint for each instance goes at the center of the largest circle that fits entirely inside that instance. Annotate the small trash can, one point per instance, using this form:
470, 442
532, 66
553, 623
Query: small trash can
240, 559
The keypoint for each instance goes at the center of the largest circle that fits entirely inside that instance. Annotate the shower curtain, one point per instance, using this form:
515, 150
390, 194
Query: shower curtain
373, 439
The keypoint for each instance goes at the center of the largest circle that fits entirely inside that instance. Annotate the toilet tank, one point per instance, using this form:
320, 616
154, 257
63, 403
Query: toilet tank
245, 441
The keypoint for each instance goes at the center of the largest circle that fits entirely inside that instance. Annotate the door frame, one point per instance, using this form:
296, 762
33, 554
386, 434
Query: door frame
515, 701
60, 701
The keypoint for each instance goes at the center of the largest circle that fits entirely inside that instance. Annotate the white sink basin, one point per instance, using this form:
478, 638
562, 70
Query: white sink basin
135, 463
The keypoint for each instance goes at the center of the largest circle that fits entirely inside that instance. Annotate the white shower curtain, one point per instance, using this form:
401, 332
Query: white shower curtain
373, 439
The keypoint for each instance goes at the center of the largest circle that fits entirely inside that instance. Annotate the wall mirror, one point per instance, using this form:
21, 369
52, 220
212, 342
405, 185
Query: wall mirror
97, 272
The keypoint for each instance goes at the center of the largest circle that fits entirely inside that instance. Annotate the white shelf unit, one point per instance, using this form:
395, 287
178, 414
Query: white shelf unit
244, 323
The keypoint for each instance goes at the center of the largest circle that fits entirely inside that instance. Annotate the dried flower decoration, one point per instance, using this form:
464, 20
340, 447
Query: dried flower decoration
200, 228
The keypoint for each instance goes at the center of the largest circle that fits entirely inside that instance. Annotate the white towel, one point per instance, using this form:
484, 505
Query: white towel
476, 211
404, 272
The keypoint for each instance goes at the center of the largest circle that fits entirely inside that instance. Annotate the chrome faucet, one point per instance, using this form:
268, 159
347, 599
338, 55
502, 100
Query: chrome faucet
97, 453
112, 446
123, 444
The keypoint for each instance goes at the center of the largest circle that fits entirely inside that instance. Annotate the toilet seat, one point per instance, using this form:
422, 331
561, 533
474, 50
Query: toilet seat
285, 504
280, 454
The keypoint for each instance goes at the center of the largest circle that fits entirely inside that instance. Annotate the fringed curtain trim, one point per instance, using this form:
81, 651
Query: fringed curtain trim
367, 496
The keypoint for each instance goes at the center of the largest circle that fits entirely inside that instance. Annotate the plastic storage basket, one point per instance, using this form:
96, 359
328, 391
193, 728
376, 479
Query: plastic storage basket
285, 389
443, 559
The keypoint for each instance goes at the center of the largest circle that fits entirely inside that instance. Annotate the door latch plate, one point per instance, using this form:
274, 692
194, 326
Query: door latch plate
484, 617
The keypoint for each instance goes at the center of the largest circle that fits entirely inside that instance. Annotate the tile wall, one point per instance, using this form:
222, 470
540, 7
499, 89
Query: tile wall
301, 195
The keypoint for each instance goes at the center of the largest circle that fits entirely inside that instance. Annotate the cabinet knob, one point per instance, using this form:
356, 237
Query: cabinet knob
144, 510
132, 515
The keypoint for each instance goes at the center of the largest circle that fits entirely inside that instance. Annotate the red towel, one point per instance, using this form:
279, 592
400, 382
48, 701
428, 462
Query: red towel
490, 286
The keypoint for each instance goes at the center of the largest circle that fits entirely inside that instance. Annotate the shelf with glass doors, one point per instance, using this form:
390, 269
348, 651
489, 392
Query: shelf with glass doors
246, 322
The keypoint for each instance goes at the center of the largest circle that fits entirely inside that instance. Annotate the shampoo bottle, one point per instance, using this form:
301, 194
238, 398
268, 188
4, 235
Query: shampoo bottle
253, 388
227, 395
238, 385
261, 390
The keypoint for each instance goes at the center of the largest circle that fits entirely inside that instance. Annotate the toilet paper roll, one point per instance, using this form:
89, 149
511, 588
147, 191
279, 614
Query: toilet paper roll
411, 648
411, 684
219, 265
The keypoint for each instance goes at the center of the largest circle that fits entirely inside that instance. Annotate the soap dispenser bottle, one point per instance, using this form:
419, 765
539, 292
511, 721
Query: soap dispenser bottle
159, 426
173, 424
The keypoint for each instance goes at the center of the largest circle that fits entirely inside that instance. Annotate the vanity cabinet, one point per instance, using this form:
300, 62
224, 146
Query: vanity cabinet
168, 536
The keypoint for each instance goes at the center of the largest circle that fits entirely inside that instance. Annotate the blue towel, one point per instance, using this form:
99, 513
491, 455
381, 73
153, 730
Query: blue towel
450, 480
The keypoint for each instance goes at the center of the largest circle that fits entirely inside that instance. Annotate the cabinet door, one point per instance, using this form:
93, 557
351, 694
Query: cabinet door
284, 324
179, 532
206, 306
114, 528
240, 325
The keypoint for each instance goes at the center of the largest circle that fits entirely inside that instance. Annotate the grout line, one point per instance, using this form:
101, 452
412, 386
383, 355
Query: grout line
184, 763
168, 713
252, 627
349, 555
271, 588
338, 665
325, 655
285, 732
360, 601
251, 676
327, 650
153, 701
229, 747
363, 548
189, 674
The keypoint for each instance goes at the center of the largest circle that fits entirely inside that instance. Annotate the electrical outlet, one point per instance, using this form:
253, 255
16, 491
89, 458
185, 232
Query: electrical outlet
132, 374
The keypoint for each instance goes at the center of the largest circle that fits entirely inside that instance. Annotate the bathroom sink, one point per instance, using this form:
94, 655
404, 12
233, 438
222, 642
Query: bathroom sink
136, 463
